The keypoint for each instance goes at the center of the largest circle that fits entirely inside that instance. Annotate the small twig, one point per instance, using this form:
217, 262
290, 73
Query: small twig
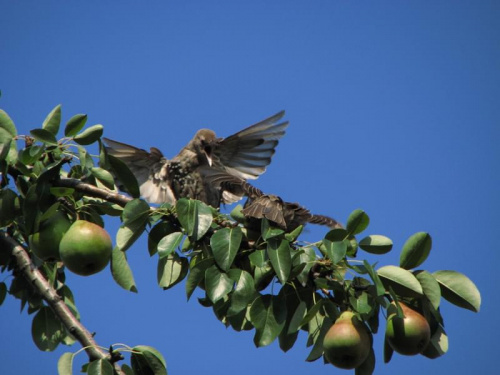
50, 296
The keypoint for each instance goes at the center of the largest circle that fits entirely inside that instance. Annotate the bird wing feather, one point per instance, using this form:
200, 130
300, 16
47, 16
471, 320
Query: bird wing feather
149, 168
247, 153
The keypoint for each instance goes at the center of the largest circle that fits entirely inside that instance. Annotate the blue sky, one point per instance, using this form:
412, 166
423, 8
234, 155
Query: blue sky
394, 108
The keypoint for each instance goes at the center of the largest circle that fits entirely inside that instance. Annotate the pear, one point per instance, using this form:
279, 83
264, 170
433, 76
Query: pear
86, 248
45, 242
408, 336
347, 343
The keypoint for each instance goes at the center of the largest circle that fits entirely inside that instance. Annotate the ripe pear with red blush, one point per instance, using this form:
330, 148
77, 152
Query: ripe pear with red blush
347, 343
409, 335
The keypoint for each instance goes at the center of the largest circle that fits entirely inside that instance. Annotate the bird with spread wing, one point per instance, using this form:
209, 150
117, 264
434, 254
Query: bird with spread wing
244, 155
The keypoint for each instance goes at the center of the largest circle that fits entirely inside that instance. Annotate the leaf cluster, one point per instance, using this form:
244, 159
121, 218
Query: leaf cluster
252, 274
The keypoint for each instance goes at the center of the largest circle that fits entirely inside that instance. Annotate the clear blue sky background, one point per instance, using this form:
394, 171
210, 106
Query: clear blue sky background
394, 108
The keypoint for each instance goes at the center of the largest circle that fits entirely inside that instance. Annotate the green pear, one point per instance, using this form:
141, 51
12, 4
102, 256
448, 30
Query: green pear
45, 242
347, 343
86, 248
408, 336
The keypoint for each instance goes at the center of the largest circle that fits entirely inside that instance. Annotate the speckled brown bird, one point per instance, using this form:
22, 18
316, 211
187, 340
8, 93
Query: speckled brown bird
259, 205
244, 155
286, 215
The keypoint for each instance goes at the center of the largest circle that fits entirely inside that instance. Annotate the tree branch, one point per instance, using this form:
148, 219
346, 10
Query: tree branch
93, 191
49, 295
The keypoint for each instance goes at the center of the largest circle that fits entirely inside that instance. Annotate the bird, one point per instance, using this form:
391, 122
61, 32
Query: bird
190, 174
286, 215
259, 205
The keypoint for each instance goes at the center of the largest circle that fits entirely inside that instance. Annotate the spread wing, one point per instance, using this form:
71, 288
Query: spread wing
231, 188
267, 206
149, 168
247, 153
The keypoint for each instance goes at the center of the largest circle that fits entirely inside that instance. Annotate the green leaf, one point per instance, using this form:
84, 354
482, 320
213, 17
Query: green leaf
30, 155
335, 250
311, 313
317, 350
9, 203
127, 235
237, 215
459, 289
368, 366
240, 322
127, 370
268, 231
258, 258
169, 243
44, 136
121, 271
415, 250
194, 216
46, 329
297, 317
357, 222
430, 286
375, 278
217, 284
171, 270
53, 121
438, 345
89, 135
263, 276
268, 316
307, 257
280, 257
65, 364
376, 244
244, 292
337, 234
403, 281
362, 304
5, 143
159, 231
225, 245
198, 267
7, 124
100, 367
388, 351
7, 133
104, 176
135, 217
314, 329
293, 235
146, 360
3, 292
61, 191
125, 176
74, 125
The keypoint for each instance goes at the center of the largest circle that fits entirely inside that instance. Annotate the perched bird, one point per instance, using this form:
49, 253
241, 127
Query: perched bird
286, 215
190, 174
259, 205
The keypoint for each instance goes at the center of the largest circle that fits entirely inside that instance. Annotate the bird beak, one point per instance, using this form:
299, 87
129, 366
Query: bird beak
208, 154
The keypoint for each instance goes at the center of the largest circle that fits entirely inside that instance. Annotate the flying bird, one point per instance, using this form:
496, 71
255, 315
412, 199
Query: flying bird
190, 174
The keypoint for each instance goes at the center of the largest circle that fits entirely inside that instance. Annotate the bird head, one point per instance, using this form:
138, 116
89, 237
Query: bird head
202, 144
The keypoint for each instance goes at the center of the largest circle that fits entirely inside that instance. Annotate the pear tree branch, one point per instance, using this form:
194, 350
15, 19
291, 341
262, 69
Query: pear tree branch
93, 191
50, 296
